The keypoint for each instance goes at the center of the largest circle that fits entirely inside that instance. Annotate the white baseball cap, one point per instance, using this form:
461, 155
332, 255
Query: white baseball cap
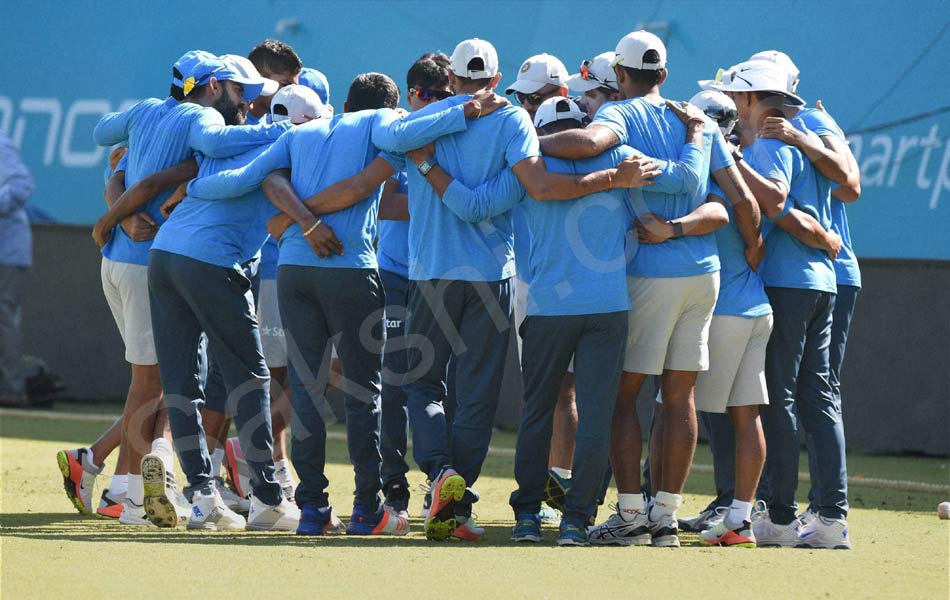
537, 72
718, 107
594, 74
469, 50
296, 103
783, 60
756, 76
248, 71
632, 49
558, 108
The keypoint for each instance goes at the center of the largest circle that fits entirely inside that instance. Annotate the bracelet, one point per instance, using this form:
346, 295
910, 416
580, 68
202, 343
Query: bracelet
312, 227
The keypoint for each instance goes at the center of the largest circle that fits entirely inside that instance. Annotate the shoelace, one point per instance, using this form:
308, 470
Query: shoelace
760, 510
425, 487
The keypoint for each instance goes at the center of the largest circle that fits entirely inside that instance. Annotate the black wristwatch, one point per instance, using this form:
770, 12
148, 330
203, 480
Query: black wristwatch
426, 165
737, 155
677, 229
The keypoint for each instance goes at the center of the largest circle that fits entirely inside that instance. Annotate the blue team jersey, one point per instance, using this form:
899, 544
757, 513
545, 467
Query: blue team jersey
788, 262
442, 246
162, 134
393, 247
224, 232
741, 291
269, 255
846, 266
522, 241
578, 249
323, 152
656, 131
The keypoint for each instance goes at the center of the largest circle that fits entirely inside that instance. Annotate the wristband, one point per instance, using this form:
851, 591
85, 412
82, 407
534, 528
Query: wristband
312, 227
677, 229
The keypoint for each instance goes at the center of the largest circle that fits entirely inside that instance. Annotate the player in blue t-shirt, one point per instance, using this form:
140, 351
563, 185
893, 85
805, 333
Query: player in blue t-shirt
673, 279
801, 285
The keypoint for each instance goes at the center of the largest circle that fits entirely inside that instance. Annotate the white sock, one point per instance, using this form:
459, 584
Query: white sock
217, 458
562, 473
119, 485
630, 504
163, 449
666, 504
136, 492
738, 513
88, 466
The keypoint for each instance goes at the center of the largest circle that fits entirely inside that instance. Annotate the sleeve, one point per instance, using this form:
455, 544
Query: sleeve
16, 186
774, 160
237, 182
490, 199
821, 123
523, 141
394, 134
123, 164
683, 176
720, 157
209, 135
611, 117
113, 128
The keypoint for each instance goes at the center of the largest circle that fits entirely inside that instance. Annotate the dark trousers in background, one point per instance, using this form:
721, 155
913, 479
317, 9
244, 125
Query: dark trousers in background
596, 342
469, 322
394, 428
840, 327
342, 307
12, 279
797, 371
187, 297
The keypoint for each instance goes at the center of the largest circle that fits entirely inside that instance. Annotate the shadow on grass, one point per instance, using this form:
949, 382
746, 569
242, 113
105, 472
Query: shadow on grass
75, 528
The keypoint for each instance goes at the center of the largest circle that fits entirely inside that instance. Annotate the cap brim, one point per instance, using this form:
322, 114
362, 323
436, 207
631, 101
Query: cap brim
270, 87
716, 86
708, 85
525, 87
576, 83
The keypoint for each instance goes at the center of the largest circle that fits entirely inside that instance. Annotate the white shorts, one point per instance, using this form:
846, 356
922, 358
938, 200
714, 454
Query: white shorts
736, 375
519, 306
126, 290
669, 323
273, 340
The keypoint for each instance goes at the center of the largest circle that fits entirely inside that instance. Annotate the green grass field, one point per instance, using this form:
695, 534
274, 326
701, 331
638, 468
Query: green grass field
901, 549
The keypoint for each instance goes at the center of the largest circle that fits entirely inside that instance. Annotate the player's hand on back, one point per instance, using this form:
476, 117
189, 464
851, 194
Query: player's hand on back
635, 171
490, 101
686, 111
420, 154
139, 227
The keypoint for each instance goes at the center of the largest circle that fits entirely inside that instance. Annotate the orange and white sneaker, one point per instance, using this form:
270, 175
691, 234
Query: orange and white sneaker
238, 471
448, 488
77, 481
110, 506
720, 535
468, 530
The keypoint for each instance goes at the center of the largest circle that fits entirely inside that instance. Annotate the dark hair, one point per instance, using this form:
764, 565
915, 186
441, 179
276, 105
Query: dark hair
439, 57
276, 57
649, 77
476, 64
372, 91
428, 74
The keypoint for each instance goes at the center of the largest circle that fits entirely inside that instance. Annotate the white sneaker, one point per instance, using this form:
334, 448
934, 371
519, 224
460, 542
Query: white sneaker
133, 514
78, 482
617, 531
264, 517
165, 506
231, 500
665, 531
705, 520
208, 512
550, 516
808, 516
821, 532
768, 533
288, 484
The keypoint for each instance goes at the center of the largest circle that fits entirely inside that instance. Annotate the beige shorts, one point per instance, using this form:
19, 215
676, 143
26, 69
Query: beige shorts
273, 340
736, 375
669, 323
126, 290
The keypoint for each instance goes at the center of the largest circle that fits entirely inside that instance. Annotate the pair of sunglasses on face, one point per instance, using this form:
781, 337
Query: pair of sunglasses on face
534, 99
426, 95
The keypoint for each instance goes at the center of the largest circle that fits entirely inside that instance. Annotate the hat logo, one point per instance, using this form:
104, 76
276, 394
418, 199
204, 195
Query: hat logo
188, 85
525, 67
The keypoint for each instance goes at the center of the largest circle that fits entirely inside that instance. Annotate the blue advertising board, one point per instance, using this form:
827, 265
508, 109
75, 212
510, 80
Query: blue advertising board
881, 74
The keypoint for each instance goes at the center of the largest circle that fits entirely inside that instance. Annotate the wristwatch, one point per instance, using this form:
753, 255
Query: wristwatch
737, 155
426, 165
677, 229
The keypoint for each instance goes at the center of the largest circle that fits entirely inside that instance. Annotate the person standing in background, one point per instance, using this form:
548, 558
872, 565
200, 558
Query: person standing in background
16, 257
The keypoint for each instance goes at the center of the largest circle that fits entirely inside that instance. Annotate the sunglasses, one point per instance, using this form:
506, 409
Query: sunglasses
534, 98
588, 75
426, 95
